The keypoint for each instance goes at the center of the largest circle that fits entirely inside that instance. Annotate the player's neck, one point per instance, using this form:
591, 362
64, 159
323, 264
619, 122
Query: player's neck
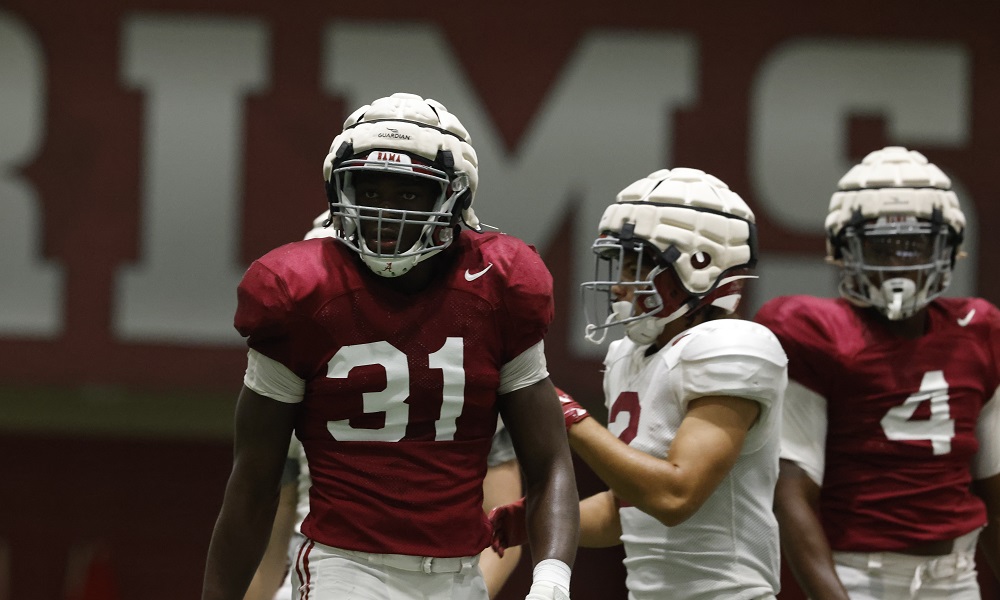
413, 281
422, 275
670, 331
679, 326
910, 328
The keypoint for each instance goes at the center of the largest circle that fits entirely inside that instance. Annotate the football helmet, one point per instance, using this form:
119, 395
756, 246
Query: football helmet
681, 241
895, 228
402, 134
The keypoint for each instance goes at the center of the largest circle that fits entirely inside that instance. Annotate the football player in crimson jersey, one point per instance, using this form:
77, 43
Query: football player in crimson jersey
693, 396
890, 446
273, 579
390, 350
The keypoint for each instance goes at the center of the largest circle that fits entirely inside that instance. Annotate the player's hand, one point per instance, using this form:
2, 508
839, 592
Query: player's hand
572, 412
509, 526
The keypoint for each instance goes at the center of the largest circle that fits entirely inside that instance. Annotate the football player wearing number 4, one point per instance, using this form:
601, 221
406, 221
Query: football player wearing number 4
891, 429
693, 396
390, 349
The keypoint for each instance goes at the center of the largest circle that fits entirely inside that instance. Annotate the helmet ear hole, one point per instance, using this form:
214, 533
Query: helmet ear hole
700, 260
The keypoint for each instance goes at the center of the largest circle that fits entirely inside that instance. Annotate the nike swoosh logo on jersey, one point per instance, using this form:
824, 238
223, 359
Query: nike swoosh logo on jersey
469, 276
965, 320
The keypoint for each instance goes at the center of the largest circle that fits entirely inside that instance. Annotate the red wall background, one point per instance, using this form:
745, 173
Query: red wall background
125, 490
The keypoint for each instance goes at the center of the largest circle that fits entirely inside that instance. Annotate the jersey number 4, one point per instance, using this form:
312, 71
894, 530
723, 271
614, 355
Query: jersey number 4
899, 424
392, 400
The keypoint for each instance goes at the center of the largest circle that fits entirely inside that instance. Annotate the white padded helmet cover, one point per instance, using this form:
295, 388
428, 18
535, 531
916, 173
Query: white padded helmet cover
660, 205
409, 123
893, 181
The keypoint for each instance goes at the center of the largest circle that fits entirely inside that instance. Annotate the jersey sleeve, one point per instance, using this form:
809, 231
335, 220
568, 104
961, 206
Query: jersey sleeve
528, 303
797, 331
526, 369
739, 359
987, 460
270, 378
278, 300
265, 316
803, 430
274, 321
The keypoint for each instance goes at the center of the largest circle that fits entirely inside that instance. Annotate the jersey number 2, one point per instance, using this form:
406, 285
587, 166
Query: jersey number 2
899, 424
623, 418
392, 400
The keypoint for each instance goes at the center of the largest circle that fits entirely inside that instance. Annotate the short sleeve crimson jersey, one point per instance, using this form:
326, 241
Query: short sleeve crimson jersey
901, 415
400, 395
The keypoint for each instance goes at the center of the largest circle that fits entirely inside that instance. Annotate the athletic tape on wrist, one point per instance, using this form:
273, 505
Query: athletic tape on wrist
554, 571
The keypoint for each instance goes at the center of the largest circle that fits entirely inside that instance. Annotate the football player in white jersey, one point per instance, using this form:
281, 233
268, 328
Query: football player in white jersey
693, 396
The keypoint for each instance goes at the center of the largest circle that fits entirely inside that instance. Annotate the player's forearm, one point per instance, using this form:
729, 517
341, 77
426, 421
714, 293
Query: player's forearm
989, 544
553, 521
238, 543
497, 570
273, 565
553, 515
600, 526
807, 552
501, 486
232, 561
651, 484
989, 539
815, 575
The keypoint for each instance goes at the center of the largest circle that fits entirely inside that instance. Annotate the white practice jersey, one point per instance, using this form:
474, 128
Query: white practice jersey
729, 548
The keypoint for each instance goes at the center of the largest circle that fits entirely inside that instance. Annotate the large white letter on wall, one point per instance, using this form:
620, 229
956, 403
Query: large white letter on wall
601, 127
31, 297
195, 74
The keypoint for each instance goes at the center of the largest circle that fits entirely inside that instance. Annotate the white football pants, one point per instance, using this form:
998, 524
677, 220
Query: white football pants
894, 576
325, 573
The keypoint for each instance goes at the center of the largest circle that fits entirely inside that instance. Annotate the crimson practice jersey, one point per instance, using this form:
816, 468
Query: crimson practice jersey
400, 400
901, 415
